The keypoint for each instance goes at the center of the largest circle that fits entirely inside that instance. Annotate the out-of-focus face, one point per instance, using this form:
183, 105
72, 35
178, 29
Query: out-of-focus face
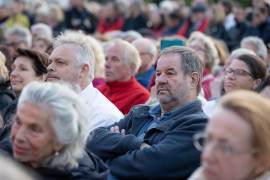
116, 70
266, 92
197, 16
171, 83
170, 22
145, 55
32, 136
227, 153
258, 18
80, 3
14, 42
110, 11
244, 81
155, 18
40, 46
15, 8
22, 74
62, 65
258, 3
239, 14
200, 49
35, 33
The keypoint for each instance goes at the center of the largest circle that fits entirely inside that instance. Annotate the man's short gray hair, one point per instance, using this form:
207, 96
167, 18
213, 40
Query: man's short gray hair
151, 47
191, 62
45, 29
84, 55
131, 53
23, 33
68, 120
257, 42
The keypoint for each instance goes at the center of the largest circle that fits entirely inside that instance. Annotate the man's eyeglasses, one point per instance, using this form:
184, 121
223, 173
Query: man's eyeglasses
202, 141
237, 72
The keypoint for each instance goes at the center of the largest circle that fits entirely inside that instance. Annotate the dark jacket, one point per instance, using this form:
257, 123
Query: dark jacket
6, 95
216, 31
263, 31
90, 167
135, 24
84, 21
172, 155
8, 113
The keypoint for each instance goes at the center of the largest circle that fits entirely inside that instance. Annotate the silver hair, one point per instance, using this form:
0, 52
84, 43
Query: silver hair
45, 29
191, 61
131, 53
151, 47
255, 41
68, 120
133, 34
242, 51
211, 53
84, 55
23, 33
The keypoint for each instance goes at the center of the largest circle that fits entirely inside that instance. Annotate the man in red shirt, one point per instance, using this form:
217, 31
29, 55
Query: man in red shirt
121, 88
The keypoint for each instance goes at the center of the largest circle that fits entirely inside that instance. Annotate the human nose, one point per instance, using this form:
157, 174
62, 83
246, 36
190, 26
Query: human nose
21, 134
13, 73
208, 154
161, 79
51, 68
107, 64
230, 75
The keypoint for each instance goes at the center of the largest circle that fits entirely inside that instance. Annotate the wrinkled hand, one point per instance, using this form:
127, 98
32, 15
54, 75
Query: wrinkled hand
115, 129
144, 145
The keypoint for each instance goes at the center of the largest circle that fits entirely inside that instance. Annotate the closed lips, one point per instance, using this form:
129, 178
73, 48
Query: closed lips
19, 149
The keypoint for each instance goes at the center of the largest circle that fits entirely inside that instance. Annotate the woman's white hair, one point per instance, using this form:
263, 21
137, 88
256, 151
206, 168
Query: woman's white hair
68, 120
131, 53
84, 55
258, 43
211, 53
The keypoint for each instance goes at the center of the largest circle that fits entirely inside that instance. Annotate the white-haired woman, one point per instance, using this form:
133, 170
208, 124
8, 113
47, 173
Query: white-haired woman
49, 132
205, 47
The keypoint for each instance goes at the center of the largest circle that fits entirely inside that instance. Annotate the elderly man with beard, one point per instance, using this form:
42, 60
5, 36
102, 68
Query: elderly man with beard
72, 61
156, 142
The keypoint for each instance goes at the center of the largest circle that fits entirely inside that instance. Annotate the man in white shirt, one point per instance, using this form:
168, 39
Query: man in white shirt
72, 61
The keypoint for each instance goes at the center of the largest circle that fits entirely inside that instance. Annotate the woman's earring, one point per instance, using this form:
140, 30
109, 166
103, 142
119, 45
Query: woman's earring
56, 153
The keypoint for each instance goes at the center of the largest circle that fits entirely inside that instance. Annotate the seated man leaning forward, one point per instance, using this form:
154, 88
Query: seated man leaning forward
156, 142
72, 60
122, 89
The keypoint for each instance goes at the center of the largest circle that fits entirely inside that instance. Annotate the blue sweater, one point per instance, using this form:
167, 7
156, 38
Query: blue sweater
172, 155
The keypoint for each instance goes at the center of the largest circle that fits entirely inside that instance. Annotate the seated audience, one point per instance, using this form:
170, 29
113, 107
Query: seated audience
264, 87
255, 44
72, 61
135, 17
99, 71
122, 89
205, 47
148, 53
235, 142
18, 37
6, 94
29, 65
196, 22
245, 72
42, 43
49, 132
113, 21
156, 142
260, 24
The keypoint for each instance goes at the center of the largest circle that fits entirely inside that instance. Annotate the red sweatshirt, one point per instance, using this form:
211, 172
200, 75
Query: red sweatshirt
105, 26
125, 95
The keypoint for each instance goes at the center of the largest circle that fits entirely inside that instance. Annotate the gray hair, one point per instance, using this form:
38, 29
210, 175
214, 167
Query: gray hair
255, 41
68, 120
191, 62
131, 53
211, 53
45, 29
84, 55
151, 47
23, 33
133, 34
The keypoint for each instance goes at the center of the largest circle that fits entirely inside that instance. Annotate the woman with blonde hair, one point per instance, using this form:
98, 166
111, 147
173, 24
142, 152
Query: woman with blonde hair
235, 143
6, 94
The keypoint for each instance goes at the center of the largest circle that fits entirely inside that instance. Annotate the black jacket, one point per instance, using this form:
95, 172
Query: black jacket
90, 167
84, 21
6, 95
216, 31
172, 155
135, 24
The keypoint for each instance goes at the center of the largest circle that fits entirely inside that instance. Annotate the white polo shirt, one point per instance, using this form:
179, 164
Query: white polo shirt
101, 112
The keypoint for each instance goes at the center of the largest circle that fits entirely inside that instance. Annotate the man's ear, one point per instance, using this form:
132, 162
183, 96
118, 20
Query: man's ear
194, 80
132, 67
42, 78
84, 70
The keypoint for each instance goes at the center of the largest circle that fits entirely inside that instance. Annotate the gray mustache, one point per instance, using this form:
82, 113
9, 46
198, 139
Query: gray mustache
50, 74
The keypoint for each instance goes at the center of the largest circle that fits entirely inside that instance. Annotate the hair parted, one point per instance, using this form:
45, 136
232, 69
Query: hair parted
191, 62
68, 120
84, 55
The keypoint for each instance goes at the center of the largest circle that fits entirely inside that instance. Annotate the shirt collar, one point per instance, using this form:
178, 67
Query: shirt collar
87, 93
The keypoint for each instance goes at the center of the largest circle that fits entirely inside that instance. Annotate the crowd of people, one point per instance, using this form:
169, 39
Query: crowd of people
134, 90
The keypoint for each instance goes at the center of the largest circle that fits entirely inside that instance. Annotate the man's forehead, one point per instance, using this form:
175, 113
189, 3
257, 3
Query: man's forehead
169, 61
65, 51
116, 49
